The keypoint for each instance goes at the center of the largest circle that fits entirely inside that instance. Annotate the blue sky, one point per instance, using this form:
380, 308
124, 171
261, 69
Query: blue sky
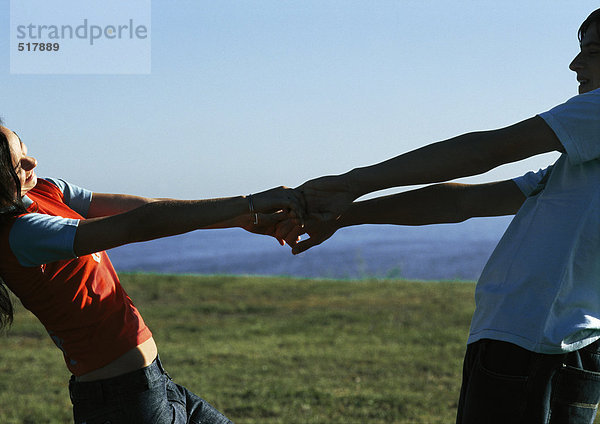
247, 95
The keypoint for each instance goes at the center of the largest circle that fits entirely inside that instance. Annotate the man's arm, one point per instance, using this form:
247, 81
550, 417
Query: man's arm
435, 204
465, 155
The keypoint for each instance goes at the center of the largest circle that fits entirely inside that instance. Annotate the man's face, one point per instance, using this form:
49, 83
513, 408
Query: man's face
587, 63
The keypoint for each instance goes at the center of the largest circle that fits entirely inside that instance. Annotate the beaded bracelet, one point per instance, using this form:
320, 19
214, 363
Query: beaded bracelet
253, 213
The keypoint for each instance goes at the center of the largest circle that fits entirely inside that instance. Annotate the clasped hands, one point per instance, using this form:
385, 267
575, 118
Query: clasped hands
314, 208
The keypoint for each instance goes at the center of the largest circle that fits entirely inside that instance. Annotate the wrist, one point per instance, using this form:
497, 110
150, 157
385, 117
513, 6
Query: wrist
355, 182
252, 213
344, 220
241, 221
352, 216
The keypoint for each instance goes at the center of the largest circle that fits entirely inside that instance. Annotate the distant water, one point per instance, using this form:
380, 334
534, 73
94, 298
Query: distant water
447, 251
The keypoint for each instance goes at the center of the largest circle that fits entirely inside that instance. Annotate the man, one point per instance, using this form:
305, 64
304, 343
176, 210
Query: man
534, 345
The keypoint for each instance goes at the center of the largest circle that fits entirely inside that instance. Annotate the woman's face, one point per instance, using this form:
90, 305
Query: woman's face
22, 163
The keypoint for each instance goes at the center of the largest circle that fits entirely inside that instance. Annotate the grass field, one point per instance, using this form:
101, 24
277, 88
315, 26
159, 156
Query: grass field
275, 350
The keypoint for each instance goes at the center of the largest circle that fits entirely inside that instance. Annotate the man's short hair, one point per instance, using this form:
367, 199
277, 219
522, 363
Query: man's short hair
594, 17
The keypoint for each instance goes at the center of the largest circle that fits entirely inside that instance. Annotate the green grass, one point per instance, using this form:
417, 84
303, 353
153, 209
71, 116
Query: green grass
275, 350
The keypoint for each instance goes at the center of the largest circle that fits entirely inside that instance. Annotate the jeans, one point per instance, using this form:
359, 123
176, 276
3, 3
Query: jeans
503, 383
145, 396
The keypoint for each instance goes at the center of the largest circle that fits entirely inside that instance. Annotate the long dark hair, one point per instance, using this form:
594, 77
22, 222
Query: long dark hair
10, 205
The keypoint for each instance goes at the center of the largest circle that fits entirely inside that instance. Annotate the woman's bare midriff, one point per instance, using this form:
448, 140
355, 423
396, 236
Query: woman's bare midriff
139, 357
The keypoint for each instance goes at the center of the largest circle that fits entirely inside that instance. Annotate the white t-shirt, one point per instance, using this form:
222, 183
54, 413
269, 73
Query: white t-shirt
541, 287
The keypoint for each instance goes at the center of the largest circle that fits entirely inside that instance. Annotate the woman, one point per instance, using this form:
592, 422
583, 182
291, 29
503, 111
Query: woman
53, 236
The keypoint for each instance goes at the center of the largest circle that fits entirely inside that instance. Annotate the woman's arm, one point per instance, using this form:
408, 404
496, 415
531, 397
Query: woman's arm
162, 218
107, 204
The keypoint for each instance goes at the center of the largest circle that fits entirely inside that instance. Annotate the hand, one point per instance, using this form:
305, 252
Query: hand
289, 231
318, 231
268, 224
327, 197
280, 199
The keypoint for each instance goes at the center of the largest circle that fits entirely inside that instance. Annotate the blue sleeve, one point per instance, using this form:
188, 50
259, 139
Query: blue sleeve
76, 198
576, 123
533, 181
37, 239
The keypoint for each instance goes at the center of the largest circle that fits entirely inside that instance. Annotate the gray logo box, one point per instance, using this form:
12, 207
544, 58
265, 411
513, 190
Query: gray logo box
80, 37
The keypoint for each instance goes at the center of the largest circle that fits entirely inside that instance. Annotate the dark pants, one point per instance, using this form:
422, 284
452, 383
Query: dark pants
503, 383
146, 396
